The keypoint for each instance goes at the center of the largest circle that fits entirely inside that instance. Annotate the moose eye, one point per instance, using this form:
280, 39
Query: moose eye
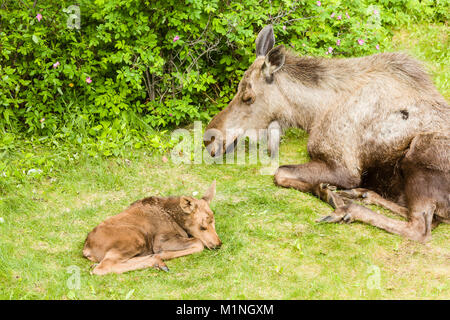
202, 228
247, 99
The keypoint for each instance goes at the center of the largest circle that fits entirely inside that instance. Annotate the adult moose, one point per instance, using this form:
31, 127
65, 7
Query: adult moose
378, 129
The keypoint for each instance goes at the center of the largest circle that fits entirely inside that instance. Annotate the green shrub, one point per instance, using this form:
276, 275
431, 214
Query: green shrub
136, 67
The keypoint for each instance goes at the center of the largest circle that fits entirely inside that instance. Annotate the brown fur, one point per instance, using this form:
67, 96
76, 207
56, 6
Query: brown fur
365, 118
308, 70
331, 72
150, 231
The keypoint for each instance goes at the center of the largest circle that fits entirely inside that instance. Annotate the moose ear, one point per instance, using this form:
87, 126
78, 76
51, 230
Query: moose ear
210, 193
187, 204
265, 41
275, 59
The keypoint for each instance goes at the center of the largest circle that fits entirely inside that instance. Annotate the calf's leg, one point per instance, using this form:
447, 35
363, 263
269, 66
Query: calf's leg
115, 262
168, 248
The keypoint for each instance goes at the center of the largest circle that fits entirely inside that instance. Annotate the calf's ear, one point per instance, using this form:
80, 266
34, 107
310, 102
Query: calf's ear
187, 204
210, 193
265, 41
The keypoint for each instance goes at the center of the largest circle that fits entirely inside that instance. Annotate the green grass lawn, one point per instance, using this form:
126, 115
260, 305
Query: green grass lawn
272, 246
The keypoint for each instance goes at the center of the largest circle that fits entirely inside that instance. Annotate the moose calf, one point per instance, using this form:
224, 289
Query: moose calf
150, 231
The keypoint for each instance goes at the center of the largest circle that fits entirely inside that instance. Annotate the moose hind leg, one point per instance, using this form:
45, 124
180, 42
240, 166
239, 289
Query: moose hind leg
418, 227
371, 197
289, 177
137, 263
116, 263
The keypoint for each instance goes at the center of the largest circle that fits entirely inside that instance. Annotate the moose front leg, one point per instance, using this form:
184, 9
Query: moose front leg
176, 246
318, 178
418, 227
273, 138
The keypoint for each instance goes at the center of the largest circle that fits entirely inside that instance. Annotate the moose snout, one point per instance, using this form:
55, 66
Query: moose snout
217, 147
214, 147
215, 246
218, 245
212, 242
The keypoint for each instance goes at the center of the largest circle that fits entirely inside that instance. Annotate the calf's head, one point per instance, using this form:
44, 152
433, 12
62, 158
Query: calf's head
199, 219
258, 101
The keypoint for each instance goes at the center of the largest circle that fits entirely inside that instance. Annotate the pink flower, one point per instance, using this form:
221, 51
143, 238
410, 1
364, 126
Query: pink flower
377, 47
42, 120
164, 159
332, 15
375, 12
361, 42
346, 14
319, 3
39, 17
326, 52
176, 38
338, 42
284, 27
330, 49
88, 80
170, 115
339, 17
56, 65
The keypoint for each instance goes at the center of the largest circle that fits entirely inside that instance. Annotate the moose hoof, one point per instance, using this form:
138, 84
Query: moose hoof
98, 272
330, 219
347, 218
162, 267
325, 219
337, 216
